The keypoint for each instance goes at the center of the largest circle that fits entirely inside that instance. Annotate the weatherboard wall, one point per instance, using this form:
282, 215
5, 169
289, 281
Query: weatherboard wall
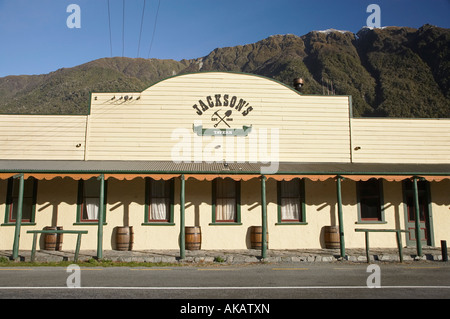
400, 140
158, 123
42, 137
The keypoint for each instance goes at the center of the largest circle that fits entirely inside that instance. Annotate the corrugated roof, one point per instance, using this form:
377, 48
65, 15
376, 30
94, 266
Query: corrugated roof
124, 167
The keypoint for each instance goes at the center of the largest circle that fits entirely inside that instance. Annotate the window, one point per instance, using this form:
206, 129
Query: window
89, 201
291, 201
226, 201
28, 204
370, 200
159, 201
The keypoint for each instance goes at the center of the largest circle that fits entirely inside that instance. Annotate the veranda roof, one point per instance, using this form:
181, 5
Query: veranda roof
48, 169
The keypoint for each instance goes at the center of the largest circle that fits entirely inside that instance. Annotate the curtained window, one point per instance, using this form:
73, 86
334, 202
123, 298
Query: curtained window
29, 200
226, 200
89, 200
291, 201
159, 201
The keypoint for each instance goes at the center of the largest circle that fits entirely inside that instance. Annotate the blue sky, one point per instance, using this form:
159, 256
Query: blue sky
35, 39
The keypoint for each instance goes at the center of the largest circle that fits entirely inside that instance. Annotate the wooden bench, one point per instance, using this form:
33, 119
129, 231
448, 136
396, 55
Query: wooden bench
399, 239
35, 232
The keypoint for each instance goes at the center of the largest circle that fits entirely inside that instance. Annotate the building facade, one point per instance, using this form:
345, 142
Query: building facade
223, 152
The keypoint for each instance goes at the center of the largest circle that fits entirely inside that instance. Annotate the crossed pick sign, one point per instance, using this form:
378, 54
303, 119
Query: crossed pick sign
222, 119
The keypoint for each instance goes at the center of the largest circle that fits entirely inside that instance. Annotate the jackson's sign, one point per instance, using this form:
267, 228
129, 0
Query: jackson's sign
223, 109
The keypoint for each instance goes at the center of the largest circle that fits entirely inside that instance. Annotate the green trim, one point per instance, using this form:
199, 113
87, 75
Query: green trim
101, 217
224, 224
263, 218
302, 220
290, 223
226, 72
148, 203
213, 202
15, 254
213, 205
182, 217
417, 218
365, 222
340, 216
181, 172
430, 213
350, 107
23, 224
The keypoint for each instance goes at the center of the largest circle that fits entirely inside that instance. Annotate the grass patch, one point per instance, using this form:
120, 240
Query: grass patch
92, 262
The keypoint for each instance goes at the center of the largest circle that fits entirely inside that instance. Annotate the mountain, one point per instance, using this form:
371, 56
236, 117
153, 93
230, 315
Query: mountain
389, 72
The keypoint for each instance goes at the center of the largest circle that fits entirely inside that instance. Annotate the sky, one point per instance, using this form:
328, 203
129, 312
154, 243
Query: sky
35, 37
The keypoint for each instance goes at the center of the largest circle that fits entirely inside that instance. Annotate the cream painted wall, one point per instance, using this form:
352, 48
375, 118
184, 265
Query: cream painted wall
440, 197
56, 205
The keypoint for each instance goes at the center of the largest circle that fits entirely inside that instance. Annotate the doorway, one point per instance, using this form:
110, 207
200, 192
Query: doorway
424, 212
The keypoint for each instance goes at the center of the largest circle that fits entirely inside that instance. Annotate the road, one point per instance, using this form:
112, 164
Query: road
238, 282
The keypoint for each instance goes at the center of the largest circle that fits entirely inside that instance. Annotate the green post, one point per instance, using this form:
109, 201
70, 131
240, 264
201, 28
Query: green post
263, 217
18, 217
399, 244
367, 247
417, 221
182, 223
340, 217
100, 217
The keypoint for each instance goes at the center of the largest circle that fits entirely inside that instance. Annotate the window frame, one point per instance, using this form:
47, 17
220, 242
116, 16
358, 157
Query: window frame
81, 203
9, 202
147, 206
379, 195
214, 220
302, 213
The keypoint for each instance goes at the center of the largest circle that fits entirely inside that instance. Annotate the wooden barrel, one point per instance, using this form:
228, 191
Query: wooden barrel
124, 238
131, 238
53, 241
256, 237
193, 238
332, 240
59, 239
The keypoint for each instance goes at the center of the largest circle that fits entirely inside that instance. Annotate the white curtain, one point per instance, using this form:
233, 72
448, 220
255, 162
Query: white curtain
225, 200
160, 192
158, 209
290, 208
290, 200
92, 208
225, 209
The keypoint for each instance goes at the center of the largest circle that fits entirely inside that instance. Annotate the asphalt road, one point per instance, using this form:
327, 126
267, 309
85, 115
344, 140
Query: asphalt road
248, 283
